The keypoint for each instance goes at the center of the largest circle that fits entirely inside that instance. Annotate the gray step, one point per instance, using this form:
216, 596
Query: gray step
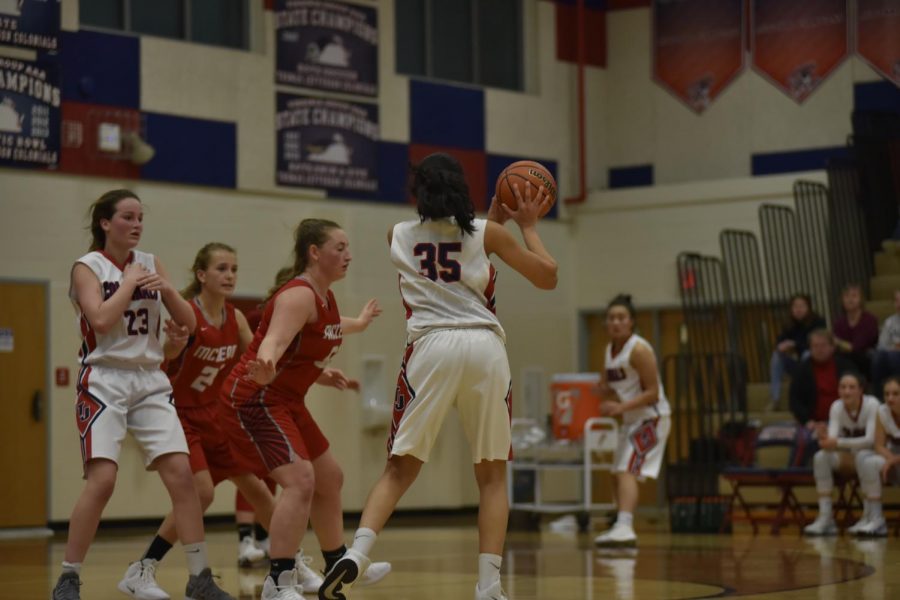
758, 395
881, 309
891, 246
887, 263
766, 417
883, 286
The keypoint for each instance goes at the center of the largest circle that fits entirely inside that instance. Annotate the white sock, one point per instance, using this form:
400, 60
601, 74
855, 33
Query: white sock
625, 518
867, 509
71, 568
196, 557
825, 506
488, 569
875, 510
363, 540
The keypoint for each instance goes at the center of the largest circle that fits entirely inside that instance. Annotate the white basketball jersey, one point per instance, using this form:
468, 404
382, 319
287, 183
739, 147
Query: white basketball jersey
446, 279
624, 379
891, 429
132, 342
854, 432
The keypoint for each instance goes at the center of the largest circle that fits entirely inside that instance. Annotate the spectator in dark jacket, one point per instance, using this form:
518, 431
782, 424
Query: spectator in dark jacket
815, 383
856, 331
792, 344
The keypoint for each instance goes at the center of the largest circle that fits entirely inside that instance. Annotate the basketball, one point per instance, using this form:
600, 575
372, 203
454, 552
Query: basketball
525, 173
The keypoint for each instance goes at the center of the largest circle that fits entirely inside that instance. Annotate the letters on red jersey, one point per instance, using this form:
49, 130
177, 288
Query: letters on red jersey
198, 372
303, 360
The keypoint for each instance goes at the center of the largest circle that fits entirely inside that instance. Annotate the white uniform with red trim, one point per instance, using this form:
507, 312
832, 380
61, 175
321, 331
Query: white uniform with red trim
642, 441
120, 385
456, 353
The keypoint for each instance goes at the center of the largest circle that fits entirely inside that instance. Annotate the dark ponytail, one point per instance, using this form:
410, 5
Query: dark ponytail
439, 187
625, 301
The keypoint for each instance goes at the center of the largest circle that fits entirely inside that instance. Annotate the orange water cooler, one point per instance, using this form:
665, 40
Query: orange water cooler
575, 399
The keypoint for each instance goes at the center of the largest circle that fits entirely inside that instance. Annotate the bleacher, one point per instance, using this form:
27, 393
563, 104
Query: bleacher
726, 449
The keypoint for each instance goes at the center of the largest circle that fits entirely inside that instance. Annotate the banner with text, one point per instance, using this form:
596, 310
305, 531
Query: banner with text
328, 144
878, 36
29, 113
327, 45
30, 24
698, 48
796, 44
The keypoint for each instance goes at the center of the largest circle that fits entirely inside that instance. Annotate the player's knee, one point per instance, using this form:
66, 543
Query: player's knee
206, 494
102, 485
331, 483
402, 470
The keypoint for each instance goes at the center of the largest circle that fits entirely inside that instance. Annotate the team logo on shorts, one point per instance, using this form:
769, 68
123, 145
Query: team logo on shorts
87, 410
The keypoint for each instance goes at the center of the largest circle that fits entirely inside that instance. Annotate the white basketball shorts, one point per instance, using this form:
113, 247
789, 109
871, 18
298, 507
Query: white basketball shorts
465, 368
641, 448
112, 401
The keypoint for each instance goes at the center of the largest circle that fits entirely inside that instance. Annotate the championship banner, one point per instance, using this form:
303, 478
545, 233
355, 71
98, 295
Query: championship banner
698, 48
796, 44
30, 24
328, 144
878, 36
327, 45
29, 114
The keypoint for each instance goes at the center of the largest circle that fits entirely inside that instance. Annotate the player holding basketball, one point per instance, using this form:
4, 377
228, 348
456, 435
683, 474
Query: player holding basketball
117, 292
631, 388
455, 356
264, 410
198, 363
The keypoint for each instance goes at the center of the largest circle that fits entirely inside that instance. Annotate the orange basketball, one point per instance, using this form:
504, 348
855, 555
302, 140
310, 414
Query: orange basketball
525, 173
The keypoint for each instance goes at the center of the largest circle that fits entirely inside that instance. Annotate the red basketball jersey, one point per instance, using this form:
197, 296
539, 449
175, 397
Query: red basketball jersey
303, 360
199, 370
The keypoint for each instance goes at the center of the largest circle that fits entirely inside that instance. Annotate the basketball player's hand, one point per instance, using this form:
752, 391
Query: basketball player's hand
153, 282
176, 335
495, 213
530, 207
610, 409
828, 443
369, 312
335, 378
261, 372
133, 273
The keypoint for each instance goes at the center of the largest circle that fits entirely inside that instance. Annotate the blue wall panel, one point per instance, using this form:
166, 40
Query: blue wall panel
446, 115
189, 150
772, 163
101, 68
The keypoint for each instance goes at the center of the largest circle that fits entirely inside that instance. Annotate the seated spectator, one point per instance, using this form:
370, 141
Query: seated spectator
881, 464
792, 345
850, 429
886, 361
856, 330
815, 383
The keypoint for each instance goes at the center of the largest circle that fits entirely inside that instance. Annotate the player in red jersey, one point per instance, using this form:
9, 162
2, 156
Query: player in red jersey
196, 365
264, 411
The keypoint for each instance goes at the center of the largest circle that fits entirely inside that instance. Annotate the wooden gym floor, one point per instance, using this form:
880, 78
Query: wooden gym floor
438, 563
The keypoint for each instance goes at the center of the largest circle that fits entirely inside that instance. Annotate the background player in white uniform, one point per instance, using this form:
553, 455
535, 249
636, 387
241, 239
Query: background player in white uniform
631, 388
455, 355
881, 465
851, 428
117, 292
